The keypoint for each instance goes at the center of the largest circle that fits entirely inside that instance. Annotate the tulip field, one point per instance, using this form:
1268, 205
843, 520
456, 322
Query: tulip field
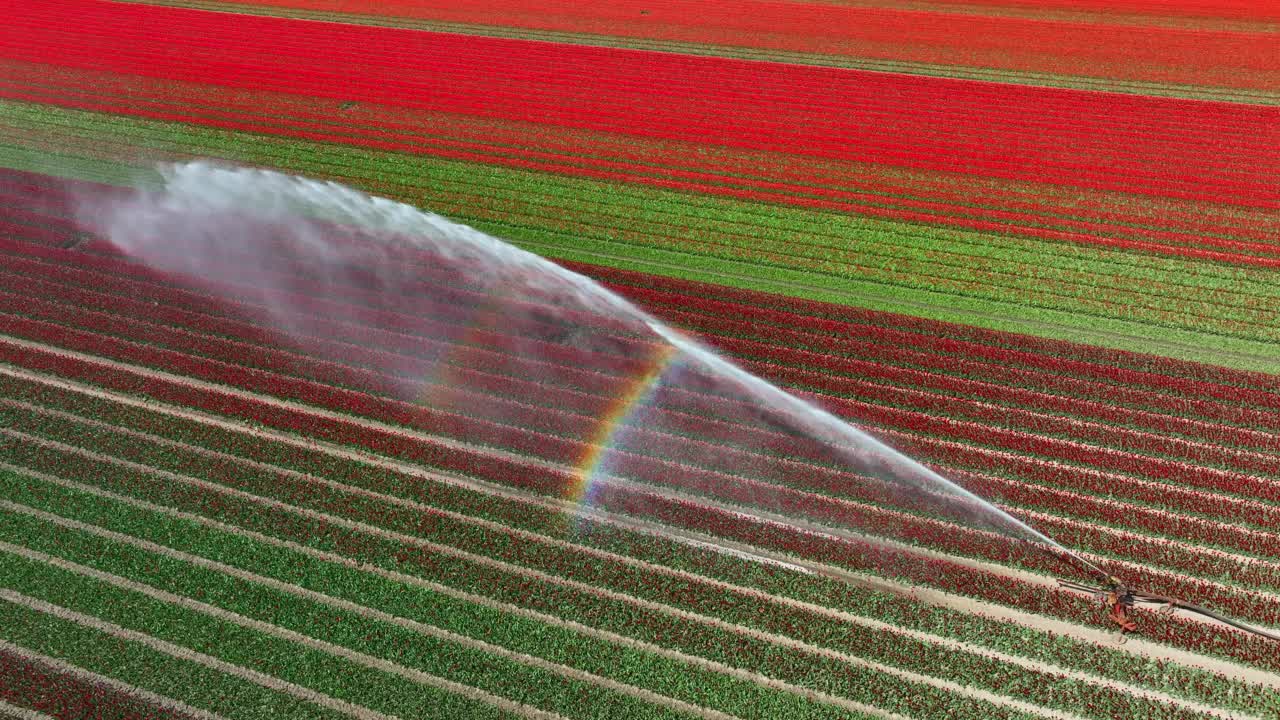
1033, 244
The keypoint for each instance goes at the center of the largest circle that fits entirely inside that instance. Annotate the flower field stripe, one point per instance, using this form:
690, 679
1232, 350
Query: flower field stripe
64, 460
987, 611
1132, 440
17, 423
220, 613
1224, 343
28, 37
750, 53
363, 610
221, 459
1243, 566
732, 169
170, 297
1247, 571
930, 37
412, 581
553, 458
846, 659
805, 76
994, 219
1051, 247
181, 652
716, 180
864, 369
1167, 471
80, 690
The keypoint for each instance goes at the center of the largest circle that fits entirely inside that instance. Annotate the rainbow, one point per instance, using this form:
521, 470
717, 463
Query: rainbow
636, 395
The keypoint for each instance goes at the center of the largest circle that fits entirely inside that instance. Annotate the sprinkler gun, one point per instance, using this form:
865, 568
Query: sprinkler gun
1119, 597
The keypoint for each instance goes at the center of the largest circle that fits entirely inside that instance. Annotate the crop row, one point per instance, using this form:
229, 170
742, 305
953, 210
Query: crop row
512, 631
958, 303
1015, 44
923, 532
1247, 253
545, 521
886, 186
1155, 467
776, 80
848, 368
649, 624
655, 625
1133, 549
956, 354
1151, 492
34, 685
148, 668
507, 413
797, 313
1066, 289
337, 677
731, 525
778, 490
707, 175
955, 303
693, 112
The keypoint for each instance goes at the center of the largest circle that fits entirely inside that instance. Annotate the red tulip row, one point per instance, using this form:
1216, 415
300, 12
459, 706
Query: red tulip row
637, 457
1247, 253
688, 108
1087, 361
711, 181
775, 80
582, 150
775, 373
1049, 475
977, 359
1021, 441
1091, 46
820, 479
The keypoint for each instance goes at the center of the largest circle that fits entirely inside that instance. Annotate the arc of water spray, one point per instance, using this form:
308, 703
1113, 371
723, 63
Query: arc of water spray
199, 203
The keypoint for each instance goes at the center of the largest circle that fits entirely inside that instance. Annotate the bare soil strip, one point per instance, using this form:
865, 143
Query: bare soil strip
182, 653
1135, 646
